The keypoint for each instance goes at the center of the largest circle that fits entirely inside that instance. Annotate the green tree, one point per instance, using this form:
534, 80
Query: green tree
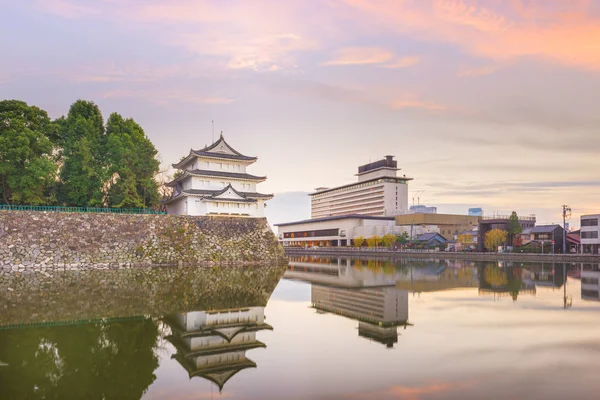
358, 241
132, 164
27, 168
82, 140
403, 238
495, 238
514, 226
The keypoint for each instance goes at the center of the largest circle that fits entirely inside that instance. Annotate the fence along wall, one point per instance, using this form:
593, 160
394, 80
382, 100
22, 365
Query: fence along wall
46, 240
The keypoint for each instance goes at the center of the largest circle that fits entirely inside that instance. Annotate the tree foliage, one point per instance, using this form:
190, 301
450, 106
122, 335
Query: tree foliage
358, 241
83, 141
495, 238
388, 239
75, 160
403, 238
27, 169
374, 241
132, 164
513, 226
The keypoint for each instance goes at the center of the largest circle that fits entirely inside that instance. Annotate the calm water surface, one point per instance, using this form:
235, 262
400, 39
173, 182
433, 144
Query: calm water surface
317, 329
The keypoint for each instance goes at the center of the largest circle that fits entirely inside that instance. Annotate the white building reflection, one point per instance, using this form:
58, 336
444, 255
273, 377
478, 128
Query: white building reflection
213, 344
590, 286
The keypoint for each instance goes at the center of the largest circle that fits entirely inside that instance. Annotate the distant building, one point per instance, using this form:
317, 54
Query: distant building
378, 192
430, 239
213, 181
590, 234
548, 233
421, 209
334, 231
476, 212
447, 225
488, 223
590, 285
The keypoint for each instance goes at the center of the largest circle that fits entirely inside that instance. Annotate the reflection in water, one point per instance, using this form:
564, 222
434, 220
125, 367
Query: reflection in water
182, 332
111, 360
213, 344
109, 349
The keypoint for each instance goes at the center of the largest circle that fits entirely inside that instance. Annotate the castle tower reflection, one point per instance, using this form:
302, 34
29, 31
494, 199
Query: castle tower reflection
213, 344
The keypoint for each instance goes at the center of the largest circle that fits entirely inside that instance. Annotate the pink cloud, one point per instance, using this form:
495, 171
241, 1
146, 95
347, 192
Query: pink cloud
487, 70
403, 62
67, 8
417, 104
163, 97
360, 55
570, 36
414, 392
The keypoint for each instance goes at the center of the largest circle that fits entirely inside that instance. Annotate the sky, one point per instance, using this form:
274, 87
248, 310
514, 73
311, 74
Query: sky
491, 103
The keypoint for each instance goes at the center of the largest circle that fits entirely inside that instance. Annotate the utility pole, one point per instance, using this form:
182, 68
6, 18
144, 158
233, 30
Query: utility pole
566, 215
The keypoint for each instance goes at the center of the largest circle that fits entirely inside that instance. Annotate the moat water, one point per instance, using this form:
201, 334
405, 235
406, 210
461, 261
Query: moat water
315, 329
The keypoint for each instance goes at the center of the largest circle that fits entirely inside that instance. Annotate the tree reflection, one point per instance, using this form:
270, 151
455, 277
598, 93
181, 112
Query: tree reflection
108, 360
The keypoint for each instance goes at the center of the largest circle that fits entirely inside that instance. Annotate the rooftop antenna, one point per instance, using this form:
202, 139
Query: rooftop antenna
213, 131
419, 197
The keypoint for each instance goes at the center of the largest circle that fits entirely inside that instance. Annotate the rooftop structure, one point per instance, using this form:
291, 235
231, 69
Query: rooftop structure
378, 192
214, 181
447, 225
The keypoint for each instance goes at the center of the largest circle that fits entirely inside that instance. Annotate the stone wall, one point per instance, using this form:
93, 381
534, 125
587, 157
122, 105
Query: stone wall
59, 297
45, 240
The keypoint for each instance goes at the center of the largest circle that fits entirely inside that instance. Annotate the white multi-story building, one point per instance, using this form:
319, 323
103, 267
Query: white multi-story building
214, 181
590, 234
378, 192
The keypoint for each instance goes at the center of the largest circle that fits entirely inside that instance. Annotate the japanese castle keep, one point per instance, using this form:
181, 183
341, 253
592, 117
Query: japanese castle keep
213, 181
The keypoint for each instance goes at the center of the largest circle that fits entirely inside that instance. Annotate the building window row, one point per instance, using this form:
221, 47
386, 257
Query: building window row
350, 206
589, 235
376, 192
328, 198
589, 222
307, 234
359, 185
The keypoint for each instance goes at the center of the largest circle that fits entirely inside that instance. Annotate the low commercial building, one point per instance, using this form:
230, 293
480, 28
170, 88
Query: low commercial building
590, 234
334, 231
447, 225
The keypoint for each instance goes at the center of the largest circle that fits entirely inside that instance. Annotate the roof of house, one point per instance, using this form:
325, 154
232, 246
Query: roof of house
333, 218
545, 228
426, 237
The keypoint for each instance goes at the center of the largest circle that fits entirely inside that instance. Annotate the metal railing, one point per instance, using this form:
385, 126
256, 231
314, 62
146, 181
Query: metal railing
491, 217
14, 207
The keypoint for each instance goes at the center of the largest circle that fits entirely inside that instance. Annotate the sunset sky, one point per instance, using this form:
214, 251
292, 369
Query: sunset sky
492, 103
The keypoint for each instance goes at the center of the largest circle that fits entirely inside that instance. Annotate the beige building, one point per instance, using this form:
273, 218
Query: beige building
447, 225
379, 191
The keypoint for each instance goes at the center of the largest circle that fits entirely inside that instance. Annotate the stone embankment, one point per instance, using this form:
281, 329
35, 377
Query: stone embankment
41, 241
63, 297
388, 254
